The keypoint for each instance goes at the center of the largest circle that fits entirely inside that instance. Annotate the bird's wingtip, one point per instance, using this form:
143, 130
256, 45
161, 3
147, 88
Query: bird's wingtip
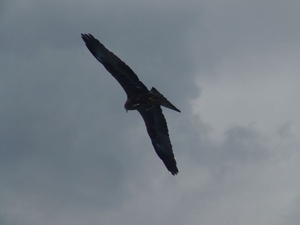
174, 172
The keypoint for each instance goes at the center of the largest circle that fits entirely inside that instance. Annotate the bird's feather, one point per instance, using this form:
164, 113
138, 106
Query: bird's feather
159, 134
118, 69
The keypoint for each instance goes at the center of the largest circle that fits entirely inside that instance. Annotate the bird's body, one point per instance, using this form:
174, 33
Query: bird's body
147, 100
139, 98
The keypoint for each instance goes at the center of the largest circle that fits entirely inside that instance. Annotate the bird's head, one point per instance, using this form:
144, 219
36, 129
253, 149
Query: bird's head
131, 105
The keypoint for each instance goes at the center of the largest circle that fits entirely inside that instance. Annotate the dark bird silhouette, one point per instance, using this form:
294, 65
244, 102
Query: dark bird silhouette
139, 98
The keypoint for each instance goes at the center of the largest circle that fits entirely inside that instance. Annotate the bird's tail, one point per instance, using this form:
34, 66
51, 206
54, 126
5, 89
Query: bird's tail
162, 99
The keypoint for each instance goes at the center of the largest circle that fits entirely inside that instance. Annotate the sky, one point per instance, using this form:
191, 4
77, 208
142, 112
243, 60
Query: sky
71, 155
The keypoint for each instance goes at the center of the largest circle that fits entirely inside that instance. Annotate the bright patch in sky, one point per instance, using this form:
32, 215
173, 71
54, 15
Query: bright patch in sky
263, 94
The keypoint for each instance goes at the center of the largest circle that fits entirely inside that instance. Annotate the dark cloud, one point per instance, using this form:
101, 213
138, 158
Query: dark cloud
71, 155
284, 130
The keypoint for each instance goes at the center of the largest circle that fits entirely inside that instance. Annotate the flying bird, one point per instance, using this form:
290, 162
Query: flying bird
139, 98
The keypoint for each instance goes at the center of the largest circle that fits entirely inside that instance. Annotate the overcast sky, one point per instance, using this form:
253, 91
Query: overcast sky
70, 155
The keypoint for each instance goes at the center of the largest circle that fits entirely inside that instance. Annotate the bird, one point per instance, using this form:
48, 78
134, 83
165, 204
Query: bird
147, 102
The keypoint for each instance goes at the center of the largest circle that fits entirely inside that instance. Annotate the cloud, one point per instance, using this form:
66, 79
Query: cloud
71, 155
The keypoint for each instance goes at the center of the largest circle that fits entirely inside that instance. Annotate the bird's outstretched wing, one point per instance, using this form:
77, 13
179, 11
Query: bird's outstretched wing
123, 74
158, 131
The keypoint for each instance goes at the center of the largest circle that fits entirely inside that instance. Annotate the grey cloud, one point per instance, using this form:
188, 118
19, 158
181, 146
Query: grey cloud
69, 152
284, 130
